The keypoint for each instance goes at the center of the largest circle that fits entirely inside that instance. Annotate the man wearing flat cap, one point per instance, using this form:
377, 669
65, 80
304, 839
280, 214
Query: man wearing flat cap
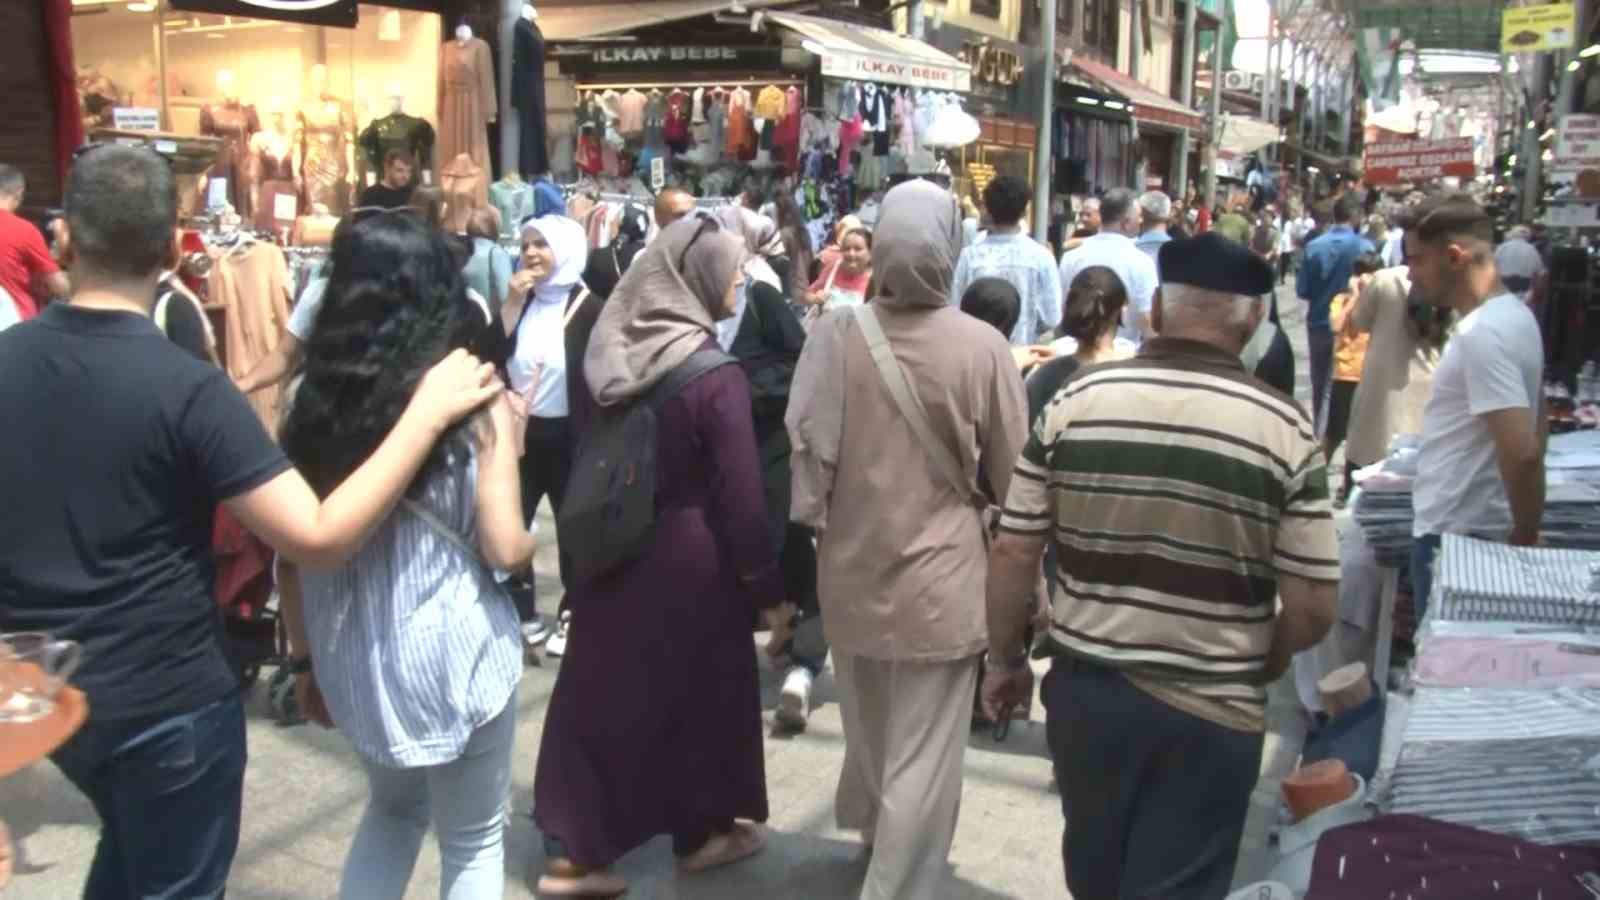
1188, 504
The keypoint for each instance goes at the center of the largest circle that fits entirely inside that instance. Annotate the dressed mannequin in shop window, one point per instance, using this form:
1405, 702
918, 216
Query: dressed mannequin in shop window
398, 131
326, 141
527, 94
235, 123
467, 100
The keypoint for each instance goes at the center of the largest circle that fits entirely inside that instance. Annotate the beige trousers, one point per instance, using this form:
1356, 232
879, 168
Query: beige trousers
905, 732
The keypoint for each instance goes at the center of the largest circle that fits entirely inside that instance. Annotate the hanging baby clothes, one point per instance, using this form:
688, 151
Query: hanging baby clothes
849, 137
611, 105
741, 142
676, 129
527, 97
588, 154
467, 101
770, 103
697, 108
786, 141
465, 185
630, 114
252, 282
716, 124
875, 107
235, 124
905, 112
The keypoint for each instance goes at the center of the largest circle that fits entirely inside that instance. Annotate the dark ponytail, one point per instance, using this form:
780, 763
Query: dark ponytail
1094, 305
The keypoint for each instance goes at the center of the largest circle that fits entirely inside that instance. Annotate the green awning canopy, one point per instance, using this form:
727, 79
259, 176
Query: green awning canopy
1435, 24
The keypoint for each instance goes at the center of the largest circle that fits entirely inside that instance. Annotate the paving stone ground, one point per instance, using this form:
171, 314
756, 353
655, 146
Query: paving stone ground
304, 793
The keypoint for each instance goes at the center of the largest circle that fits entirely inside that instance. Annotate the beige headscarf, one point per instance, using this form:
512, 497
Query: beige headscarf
657, 315
914, 252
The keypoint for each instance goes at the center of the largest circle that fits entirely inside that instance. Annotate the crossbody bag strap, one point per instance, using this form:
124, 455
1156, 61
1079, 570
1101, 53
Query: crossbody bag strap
572, 308
442, 529
909, 404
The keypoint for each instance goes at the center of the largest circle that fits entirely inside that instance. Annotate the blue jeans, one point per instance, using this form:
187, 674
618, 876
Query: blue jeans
1423, 550
465, 799
168, 789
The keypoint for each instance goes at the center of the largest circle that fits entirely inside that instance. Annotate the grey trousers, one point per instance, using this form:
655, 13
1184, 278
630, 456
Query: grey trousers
905, 731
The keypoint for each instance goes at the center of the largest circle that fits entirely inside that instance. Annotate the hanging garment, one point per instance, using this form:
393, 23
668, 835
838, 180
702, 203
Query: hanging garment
397, 131
874, 109
716, 124
611, 105
849, 137
272, 155
697, 109
770, 103
326, 128
848, 101
252, 282
589, 156
465, 185
235, 124
514, 200
467, 101
630, 114
527, 96
676, 129
741, 142
786, 140
905, 114
655, 122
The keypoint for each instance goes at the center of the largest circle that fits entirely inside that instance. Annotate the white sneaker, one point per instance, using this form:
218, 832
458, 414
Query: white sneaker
557, 645
794, 703
534, 633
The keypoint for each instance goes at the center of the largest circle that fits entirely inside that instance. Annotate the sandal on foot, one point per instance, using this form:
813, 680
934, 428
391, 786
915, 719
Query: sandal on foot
741, 842
564, 879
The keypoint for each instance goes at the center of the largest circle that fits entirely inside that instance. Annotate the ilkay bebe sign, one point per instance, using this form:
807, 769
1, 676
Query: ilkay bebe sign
1398, 162
861, 67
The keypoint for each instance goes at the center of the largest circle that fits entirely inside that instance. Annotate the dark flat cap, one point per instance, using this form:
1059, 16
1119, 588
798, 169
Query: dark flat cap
1213, 262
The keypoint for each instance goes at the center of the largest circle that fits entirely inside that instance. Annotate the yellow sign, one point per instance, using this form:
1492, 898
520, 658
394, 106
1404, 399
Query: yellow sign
981, 174
1531, 29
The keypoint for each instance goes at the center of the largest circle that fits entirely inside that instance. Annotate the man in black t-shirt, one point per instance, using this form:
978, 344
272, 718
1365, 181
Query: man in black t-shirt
394, 191
119, 447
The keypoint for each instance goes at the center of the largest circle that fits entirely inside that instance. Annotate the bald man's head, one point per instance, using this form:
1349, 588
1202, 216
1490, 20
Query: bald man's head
672, 204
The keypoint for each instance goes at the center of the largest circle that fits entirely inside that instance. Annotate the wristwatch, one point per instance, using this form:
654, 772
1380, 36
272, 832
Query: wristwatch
301, 666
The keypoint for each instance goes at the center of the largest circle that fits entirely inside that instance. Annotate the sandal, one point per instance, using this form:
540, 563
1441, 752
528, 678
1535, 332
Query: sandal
741, 842
563, 878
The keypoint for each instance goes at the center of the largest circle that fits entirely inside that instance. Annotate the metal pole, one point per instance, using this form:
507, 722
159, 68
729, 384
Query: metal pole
1532, 165
915, 15
1219, 67
1135, 42
1180, 186
1042, 154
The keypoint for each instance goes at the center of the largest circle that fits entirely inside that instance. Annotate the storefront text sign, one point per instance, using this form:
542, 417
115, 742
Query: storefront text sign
136, 118
1577, 144
674, 56
1530, 29
338, 13
1402, 161
995, 65
844, 64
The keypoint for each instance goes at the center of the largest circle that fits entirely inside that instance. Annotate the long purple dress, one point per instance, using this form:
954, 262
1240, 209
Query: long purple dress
654, 726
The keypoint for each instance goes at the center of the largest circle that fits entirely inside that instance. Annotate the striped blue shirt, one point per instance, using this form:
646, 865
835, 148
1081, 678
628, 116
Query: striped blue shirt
415, 643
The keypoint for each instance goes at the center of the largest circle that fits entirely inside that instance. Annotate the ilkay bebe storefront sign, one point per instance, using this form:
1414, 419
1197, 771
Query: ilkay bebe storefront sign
864, 67
1398, 162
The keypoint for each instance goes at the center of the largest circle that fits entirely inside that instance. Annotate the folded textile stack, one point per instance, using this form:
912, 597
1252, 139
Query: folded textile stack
1477, 580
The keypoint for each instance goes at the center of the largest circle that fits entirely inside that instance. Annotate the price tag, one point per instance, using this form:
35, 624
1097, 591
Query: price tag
658, 173
217, 193
284, 207
136, 118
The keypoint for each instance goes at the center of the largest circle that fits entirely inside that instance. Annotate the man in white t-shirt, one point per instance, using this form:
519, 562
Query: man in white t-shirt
1481, 465
1114, 248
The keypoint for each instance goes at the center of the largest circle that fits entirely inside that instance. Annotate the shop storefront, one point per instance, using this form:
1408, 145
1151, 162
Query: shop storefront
1092, 137
296, 103
1004, 97
1160, 122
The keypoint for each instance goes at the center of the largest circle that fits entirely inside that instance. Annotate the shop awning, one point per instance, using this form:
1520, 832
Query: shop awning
593, 20
1149, 105
1240, 136
873, 54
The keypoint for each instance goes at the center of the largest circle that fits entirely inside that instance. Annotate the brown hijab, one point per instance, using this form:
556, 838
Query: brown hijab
914, 252
659, 314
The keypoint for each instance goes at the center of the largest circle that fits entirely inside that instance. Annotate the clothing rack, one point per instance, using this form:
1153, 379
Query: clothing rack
742, 82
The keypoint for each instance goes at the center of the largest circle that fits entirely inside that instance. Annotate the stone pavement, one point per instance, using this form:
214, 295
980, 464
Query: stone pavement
304, 793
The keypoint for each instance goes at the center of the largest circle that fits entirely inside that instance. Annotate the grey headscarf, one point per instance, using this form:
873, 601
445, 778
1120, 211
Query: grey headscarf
761, 240
915, 246
914, 252
658, 316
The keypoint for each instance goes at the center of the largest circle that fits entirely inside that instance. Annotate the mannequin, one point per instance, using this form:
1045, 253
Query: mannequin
235, 123
513, 197
325, 143
467, 101
527, 95
397, 131
272, 162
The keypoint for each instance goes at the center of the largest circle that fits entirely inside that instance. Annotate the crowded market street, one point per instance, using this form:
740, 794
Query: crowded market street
304, 791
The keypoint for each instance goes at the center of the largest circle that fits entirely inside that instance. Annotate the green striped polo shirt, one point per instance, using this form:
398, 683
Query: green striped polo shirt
1176, 488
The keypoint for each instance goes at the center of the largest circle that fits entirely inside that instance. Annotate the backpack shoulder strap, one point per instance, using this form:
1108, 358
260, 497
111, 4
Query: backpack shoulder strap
699, 363
159, 314
909, 404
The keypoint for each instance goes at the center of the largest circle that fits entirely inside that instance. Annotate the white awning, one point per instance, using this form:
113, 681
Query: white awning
562, 22
873, 54
1239, 136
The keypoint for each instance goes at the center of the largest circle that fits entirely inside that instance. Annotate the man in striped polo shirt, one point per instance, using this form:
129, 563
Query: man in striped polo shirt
1188, 502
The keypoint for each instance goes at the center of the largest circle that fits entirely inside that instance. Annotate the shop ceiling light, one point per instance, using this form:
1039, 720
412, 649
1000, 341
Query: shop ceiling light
1532, 124
142, 7
1574, 66
1590, 51
1112, 104
1548, 134
1088, 101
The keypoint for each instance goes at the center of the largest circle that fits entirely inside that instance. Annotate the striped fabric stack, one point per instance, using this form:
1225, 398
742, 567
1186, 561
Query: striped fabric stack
1483, 581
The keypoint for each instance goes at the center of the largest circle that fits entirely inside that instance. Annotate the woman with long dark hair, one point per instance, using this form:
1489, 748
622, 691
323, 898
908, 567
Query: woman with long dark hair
414, 645
654, 725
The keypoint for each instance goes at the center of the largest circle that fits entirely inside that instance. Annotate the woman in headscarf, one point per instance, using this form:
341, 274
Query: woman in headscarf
606, 268
903, 552
654, 725
767, 338
830, 254
534, 313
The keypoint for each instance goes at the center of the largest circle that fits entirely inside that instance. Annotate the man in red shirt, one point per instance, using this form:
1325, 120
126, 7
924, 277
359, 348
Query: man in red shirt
27, 271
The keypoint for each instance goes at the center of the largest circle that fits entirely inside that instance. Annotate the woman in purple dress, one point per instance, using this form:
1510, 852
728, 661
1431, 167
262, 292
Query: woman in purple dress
654, 726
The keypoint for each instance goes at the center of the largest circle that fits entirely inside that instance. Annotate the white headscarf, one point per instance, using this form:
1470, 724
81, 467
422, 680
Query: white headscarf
571, 246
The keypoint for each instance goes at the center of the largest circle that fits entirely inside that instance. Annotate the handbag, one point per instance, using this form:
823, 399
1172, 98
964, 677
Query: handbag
911, 408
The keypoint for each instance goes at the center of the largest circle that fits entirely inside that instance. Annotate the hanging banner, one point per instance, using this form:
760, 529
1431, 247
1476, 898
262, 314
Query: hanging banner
1574, 167
1531, 29
1412, 161
335, 13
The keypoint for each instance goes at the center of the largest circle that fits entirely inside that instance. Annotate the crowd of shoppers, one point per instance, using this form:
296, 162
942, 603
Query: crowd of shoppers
870, 459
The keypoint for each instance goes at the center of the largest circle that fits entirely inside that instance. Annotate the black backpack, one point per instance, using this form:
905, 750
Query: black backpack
608, 515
